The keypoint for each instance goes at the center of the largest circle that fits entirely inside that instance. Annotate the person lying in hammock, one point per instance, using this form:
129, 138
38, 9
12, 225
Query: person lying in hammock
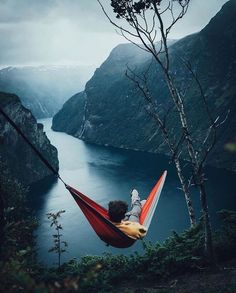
128, 222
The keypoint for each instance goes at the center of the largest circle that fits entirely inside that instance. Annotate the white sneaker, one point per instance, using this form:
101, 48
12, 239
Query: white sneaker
134, 192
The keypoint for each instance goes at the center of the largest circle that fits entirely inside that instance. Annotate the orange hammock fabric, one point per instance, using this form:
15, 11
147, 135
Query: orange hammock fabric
96, 214
99, 219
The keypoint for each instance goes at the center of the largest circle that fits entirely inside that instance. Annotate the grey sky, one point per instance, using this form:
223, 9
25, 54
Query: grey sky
72, 31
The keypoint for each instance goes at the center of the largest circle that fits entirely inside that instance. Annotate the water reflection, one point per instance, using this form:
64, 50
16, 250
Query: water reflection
106, 174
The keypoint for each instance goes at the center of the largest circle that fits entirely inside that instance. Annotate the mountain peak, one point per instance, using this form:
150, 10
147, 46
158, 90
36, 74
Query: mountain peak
223, 21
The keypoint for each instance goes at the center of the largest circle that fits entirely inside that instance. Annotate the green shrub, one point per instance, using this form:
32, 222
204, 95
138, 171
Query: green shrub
17, 253
19, 270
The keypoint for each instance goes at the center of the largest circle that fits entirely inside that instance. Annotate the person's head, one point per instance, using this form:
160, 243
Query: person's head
117, 210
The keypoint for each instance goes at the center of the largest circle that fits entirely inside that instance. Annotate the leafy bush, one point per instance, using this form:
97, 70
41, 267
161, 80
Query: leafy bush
179, 254
225, 238
17, 254
19, 270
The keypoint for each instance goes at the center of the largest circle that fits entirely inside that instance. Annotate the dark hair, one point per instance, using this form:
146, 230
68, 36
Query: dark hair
117, 210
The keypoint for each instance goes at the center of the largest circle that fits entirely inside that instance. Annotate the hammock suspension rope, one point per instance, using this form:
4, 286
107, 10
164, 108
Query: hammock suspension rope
95, 213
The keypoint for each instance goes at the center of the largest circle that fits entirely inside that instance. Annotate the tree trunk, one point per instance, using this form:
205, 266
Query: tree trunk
208, 232
198, 173
1, 217
186, 193
178, 167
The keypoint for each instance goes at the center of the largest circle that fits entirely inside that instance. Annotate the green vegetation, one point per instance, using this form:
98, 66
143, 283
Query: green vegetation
231, 147
17, 255
179, 254
59, 245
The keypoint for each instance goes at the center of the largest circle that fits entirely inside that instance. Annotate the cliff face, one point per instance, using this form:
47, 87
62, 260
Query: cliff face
114, 110
19, 158
76, 117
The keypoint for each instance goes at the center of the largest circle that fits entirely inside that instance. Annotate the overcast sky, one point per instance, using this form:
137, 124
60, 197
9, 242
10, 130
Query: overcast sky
72, 31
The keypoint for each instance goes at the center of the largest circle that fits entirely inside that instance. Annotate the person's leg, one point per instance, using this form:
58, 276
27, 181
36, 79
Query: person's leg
136, 207
143, 202
135, 212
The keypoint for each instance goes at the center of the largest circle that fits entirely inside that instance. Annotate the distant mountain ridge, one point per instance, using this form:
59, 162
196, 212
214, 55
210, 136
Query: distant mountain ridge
44, 89
112, 112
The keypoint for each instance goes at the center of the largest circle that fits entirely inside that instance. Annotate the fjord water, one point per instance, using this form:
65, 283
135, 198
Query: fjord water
105, 174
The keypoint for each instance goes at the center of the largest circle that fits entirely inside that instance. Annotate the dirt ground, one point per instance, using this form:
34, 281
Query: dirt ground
220, 280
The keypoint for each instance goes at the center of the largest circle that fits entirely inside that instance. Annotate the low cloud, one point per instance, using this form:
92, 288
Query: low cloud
72, 31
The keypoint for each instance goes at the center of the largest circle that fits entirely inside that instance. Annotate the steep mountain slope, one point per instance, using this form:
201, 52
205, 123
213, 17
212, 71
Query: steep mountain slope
14, 152
44, 89
114, 112
110, 75
76, 104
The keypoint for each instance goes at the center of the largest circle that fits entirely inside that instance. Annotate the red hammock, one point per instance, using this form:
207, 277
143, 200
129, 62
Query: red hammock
99, 219
96, 214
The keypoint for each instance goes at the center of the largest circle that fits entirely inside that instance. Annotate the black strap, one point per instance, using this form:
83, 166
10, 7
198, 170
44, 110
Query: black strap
55, 172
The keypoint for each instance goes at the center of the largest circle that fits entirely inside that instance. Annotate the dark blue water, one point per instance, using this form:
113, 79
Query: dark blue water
107, 174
